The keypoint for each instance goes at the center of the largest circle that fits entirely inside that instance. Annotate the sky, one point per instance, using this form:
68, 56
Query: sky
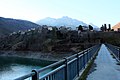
97, 12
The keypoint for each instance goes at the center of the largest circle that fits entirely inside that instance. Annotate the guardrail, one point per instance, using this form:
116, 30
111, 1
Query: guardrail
115, 51
67, 69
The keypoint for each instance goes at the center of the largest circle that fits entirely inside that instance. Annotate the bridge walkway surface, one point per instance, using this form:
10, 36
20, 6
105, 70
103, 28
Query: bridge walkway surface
105, 66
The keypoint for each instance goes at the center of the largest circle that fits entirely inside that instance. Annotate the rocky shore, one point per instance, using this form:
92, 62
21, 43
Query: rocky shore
35, 55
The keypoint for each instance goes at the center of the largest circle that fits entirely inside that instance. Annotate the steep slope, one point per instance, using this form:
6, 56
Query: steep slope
8, 25
64, 21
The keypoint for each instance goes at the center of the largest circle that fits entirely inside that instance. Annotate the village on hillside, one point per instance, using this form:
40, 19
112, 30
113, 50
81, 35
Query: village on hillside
53, 39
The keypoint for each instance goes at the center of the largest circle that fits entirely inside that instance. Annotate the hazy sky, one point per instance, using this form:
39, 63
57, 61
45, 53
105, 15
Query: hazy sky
97, 12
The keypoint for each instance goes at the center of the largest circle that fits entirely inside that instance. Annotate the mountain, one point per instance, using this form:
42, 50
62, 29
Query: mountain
8, 25
95, 27
116, 27
64, 21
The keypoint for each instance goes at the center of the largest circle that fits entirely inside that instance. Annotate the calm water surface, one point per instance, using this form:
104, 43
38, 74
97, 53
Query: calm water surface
11, 67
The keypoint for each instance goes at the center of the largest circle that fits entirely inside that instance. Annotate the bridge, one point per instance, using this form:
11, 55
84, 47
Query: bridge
72, 68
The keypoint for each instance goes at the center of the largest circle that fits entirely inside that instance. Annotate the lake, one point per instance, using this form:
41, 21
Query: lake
14, 67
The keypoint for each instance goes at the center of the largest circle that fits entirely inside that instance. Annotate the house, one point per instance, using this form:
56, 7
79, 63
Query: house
85, 28
116, 27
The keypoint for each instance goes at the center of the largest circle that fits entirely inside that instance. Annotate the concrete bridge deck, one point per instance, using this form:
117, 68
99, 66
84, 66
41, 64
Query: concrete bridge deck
105, 66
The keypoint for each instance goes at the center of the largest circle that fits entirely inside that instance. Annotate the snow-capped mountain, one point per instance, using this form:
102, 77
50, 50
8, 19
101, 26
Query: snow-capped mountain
64, 21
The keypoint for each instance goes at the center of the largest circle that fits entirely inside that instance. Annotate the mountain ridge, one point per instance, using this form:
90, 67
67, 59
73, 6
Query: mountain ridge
64, 21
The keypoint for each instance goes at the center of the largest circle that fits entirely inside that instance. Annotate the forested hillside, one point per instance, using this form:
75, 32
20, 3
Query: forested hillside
8, 25
49, 39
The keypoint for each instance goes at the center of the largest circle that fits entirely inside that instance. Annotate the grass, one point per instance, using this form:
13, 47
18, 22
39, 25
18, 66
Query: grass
86, 71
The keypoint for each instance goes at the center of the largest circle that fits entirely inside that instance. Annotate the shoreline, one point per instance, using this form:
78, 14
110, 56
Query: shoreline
35, 55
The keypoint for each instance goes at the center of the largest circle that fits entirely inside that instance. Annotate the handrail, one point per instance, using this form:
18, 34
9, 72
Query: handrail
50, 66
115, 51
52, 72
26, 76
68, 68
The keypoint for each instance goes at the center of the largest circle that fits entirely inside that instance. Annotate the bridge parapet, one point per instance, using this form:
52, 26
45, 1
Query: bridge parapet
67, 69
115, 50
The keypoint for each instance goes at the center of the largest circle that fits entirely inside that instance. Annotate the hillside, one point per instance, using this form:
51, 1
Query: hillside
42, 39
8, 25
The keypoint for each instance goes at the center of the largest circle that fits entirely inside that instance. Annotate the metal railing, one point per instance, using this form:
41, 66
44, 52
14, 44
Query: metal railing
115, 51
67, 69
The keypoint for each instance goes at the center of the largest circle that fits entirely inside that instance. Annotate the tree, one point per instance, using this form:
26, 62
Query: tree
102, 28
109, 29
105, 27
80, 28
54, 34
90, 27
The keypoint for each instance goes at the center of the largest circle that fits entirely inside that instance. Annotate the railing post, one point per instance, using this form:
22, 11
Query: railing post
83, 59
66, 68
119, 53
87, 55
90, 54
36, 76
78, 64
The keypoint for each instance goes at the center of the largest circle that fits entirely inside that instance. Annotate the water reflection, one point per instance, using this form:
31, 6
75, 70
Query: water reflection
11, 67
